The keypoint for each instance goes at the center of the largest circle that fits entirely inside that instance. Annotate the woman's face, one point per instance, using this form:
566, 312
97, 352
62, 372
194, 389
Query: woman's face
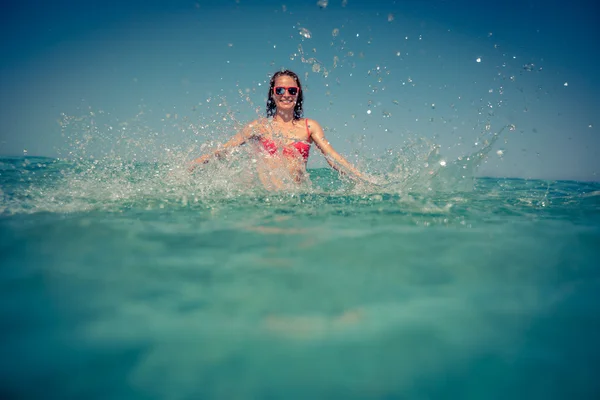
285, 101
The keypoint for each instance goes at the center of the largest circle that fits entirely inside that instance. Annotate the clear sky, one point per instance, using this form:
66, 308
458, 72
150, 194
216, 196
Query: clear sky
376, 74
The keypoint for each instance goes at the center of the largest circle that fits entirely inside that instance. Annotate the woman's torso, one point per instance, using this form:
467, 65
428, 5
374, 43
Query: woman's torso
285, 145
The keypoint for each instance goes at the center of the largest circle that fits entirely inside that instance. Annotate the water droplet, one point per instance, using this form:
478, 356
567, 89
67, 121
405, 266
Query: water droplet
305, 33
443, 163
500, 152
398, 54
390, 17
566, 84
335, 32
478, 59
529, 67
323, 3
368, 111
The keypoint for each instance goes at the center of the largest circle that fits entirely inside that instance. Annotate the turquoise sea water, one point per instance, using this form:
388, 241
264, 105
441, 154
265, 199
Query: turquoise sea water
131, 281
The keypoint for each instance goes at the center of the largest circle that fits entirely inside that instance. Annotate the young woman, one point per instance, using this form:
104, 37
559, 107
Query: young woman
284, 137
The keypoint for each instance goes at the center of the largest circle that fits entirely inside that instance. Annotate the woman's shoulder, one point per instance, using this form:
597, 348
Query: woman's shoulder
312, 124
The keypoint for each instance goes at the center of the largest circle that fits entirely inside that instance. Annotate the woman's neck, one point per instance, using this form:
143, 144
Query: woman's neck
284, 117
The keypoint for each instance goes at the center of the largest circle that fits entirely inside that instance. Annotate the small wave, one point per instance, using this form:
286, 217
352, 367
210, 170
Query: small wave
595, 193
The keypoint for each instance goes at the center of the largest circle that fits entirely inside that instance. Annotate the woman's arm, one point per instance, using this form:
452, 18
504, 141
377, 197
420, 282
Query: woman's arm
334, 158
237, 140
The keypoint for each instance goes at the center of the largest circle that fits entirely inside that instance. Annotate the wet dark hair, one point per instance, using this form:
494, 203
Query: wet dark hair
272, 108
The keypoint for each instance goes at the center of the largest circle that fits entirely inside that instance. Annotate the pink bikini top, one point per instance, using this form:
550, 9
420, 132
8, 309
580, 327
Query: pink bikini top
292, 150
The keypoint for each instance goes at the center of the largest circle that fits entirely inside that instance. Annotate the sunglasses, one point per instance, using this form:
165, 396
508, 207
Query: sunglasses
280, 90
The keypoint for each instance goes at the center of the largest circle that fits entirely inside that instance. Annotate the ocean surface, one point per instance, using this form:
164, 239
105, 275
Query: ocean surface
133, 280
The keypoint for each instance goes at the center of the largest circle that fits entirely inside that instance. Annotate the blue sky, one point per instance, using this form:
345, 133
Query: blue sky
382, 73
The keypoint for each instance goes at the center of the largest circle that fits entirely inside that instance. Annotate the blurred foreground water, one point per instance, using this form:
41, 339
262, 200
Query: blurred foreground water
138, 283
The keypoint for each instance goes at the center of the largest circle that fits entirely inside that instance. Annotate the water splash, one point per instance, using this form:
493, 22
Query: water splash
116, 182
420, 167
114, 164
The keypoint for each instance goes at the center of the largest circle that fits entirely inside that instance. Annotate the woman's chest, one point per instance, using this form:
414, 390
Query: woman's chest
293, 132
